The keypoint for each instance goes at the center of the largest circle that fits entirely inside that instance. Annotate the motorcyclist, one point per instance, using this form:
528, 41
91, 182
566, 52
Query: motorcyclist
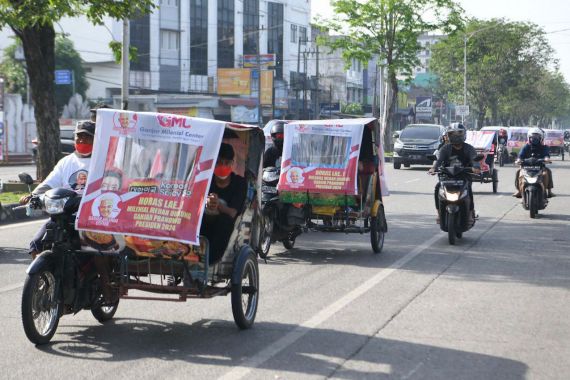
272, 155
459, 150
534, 148
67, 173
503, 137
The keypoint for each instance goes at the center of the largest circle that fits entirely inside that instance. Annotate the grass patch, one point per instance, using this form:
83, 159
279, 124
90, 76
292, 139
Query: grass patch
388, 154
11, 197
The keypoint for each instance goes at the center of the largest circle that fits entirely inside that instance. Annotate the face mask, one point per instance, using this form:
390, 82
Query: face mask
84, 149
222, 172
535, 140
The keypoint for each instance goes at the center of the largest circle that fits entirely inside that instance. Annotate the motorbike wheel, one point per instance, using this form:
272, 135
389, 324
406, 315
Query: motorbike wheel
104, 313
451, 234
532, 207
41, 306
289, 243
376, 233
265, 238
459, 235
501, 160
245, 294
495, 179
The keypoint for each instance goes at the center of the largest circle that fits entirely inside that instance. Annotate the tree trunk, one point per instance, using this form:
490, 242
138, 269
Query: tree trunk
392, 107
38, 42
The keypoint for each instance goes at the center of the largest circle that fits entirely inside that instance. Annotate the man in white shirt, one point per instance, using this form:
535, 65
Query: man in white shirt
69, 173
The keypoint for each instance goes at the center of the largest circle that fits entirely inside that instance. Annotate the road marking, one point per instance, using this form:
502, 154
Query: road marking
17, 225
412, 180
326, 313
10, 288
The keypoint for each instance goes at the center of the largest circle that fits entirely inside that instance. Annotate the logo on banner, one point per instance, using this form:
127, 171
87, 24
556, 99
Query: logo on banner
125, 122
301, 128
169, 121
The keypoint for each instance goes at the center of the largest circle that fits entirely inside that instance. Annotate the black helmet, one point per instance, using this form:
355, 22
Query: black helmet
277, 134
456, 133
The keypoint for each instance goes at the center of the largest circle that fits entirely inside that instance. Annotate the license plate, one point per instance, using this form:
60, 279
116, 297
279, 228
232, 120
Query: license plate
269, 189
415, 157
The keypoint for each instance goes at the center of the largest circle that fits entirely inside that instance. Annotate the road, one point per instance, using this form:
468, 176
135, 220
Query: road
495, 306
10, 173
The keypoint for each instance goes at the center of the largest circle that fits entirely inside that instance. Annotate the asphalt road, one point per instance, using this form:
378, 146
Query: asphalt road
10, 173
495, 306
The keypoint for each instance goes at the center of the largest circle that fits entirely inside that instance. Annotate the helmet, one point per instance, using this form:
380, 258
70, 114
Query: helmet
456, 133
277, 134
535, 136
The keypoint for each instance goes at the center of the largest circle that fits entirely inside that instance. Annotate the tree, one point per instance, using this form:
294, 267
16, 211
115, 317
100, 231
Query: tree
506, 61
66, 57
32, 22
389, 29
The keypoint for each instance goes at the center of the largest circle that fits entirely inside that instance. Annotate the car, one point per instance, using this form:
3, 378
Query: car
415, 143
66, 140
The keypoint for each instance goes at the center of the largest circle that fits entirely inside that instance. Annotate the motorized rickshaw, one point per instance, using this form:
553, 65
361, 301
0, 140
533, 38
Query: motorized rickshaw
554, 139
517, 139
137, 226
484, 143
332, 179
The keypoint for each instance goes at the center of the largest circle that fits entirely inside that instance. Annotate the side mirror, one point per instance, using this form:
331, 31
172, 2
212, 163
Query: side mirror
431, 157
479, 157
396, 135
26, 178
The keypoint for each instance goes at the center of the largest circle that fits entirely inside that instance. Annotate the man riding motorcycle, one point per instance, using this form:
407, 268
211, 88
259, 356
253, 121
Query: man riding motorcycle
273, 154
459, 150
534, 148
66, 173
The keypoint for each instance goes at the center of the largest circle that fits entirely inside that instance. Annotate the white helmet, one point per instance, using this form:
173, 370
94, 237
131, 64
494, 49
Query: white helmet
535, 136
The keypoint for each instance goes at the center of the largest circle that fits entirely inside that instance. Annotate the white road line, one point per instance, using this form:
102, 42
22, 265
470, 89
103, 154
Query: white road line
25, 224
301, 330
10, 288
412, 180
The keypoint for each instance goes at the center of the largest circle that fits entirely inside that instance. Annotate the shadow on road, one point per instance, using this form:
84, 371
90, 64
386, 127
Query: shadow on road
316, 352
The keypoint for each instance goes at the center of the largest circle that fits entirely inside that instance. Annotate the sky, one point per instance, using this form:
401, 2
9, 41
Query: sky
552, 15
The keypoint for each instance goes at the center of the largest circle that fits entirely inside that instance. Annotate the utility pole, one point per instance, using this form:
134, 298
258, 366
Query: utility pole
297, 108
125, 66
317, 100
305, 53
259, 110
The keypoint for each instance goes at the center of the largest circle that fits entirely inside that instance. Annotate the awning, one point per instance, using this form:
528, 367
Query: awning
240, 102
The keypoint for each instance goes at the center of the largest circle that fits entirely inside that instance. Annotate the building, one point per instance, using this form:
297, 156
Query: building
426, 41
181, 46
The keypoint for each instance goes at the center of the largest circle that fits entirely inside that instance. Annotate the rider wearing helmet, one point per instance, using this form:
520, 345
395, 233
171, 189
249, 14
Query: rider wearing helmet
459, 150
274, 153
503, 136
535, 148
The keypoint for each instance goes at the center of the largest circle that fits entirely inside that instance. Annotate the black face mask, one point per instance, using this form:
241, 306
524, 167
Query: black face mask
535, 140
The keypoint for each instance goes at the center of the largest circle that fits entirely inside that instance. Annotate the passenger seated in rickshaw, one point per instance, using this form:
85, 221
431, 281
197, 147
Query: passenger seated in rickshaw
224, 203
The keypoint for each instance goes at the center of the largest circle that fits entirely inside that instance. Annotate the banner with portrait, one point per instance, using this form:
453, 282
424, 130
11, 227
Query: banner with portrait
481, 140
517, 139
554, 137
148, 178
321, 156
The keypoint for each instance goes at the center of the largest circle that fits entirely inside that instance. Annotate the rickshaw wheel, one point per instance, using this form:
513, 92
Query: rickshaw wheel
41, 307
104, 313
245, 288
495, 179
376, 232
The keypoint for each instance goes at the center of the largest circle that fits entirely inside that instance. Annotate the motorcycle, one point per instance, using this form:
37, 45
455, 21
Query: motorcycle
281, 222
502, 154
62, 279
455, 213
534, 191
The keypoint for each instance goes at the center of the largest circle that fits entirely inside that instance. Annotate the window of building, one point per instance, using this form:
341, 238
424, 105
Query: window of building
294, 33
275, 35
199, 37
140, 38
169, 39
169, 3
250, 26
303, 35
226, 33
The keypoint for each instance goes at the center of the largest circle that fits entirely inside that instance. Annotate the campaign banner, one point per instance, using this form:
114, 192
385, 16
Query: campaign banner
148, 177
481, 140
554, 137
321, 156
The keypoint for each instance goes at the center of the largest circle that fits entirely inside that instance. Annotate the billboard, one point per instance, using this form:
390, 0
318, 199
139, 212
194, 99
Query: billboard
265, 60
423, 107
266, 87
234, 81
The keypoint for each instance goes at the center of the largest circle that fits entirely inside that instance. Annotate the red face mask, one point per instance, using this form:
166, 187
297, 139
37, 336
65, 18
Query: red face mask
222, 171
83, 149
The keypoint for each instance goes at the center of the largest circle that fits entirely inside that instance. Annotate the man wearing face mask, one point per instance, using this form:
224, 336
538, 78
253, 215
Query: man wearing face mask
225, 201
66, 173
272, 155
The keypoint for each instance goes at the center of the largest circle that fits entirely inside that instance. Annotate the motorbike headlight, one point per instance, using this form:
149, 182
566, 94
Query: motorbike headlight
55, 206
452, 196
530, 179
270, 176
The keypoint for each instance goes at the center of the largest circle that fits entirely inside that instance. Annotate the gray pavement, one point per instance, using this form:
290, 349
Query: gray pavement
10, 173
494, 306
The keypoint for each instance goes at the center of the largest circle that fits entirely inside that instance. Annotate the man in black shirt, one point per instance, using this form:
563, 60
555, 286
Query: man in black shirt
271, 157
225, 201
